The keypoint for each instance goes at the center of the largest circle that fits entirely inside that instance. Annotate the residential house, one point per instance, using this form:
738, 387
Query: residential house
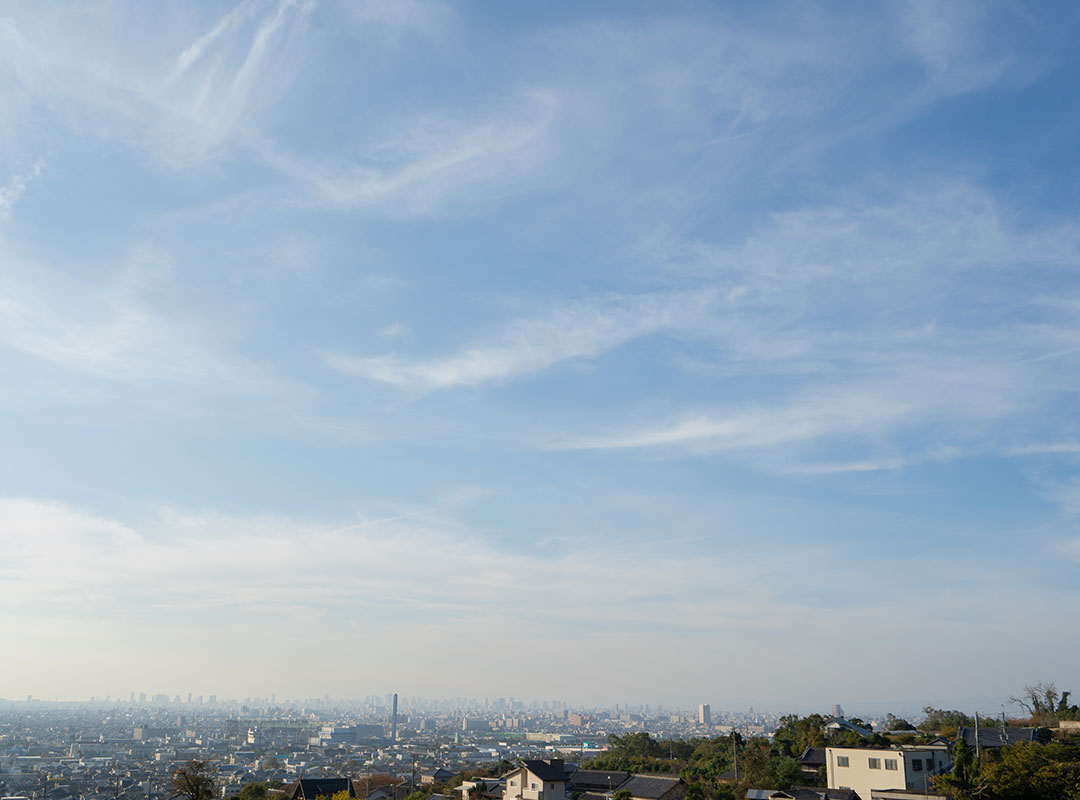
536, 779
865, 769
437, 775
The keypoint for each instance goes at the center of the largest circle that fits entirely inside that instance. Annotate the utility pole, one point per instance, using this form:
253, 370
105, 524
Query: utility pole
978, 750
735, 753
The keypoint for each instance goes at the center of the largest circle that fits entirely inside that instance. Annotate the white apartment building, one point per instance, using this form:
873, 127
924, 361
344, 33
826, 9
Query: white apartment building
904, 767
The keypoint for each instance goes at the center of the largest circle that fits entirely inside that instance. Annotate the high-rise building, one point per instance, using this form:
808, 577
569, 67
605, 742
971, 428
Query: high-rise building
393, 721
704, 714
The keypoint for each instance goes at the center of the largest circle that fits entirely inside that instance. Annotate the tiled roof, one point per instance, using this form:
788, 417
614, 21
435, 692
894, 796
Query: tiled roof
545, 771
598, 779
650, 787
310, 788
994, 737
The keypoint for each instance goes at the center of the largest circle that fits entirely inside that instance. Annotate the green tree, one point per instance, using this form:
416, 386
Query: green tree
1030, 771
795, 733
253, 791
939, 720
962, 782
894, 723
786, 772
194, 780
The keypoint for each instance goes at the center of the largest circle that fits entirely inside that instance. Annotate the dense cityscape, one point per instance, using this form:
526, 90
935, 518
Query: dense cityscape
381, 748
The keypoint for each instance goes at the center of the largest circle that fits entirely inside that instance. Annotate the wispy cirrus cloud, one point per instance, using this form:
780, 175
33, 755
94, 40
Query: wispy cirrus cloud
109, 328
854, 410
577, 331
228, 22
10, 193
441, 162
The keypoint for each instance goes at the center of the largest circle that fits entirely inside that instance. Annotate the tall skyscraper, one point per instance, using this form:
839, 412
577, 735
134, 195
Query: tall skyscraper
704, 714
393, 721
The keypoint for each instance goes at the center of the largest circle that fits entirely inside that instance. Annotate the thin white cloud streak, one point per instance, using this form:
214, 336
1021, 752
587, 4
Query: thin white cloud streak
529, 346
856, 410
195, 50
10, 193
443, 162
913, 349
182, 111
109, 330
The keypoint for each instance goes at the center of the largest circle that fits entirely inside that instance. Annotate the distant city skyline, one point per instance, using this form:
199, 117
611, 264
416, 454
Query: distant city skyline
616, 352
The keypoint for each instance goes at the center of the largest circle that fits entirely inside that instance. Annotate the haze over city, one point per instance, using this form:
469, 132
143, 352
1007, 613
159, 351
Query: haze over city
593, 352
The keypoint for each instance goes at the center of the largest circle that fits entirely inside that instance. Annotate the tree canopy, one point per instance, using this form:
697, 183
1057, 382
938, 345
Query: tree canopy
193, 781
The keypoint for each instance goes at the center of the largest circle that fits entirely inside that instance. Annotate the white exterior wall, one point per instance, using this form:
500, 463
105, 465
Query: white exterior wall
859, 776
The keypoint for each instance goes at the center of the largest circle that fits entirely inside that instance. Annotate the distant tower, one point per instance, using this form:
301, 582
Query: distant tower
704, 714
837, 711
393, 721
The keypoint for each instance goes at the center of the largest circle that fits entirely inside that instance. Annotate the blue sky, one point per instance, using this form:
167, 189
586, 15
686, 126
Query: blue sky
676, 353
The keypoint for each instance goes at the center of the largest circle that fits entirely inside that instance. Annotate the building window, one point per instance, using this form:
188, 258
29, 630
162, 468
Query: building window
916, 765
513, 783
841, 761
875, 763
890, 763
532, 785
929, 765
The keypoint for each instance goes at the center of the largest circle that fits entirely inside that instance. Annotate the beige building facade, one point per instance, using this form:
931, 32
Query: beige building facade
907, 768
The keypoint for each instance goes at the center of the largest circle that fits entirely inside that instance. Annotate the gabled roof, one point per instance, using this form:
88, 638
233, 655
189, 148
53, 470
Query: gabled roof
310, 788
813, 757
438, 771
544, 770
598, 780
650, 787
994, 737
838, 723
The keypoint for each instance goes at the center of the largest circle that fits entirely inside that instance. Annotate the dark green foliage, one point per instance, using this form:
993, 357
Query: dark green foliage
963, 782
893, 723
1023, 771
939, 720
253, 791
639, 752
796, 733
1028, 771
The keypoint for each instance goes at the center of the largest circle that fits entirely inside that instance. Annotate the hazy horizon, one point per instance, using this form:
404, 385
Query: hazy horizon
612, 352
